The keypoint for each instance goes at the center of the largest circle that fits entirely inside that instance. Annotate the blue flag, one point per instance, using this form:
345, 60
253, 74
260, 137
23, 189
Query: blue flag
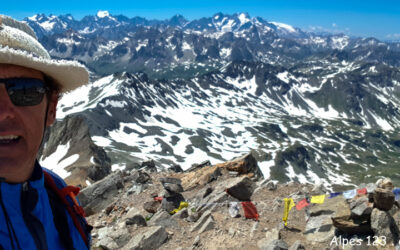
350, 194
331, 195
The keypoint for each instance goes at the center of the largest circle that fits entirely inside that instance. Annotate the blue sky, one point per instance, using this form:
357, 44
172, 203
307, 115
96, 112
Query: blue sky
379, 19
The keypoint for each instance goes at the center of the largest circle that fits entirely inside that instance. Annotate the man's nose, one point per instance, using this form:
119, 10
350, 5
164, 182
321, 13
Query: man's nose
6, 106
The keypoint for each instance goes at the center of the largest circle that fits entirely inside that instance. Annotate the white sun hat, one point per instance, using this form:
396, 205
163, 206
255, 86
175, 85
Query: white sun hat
19, 46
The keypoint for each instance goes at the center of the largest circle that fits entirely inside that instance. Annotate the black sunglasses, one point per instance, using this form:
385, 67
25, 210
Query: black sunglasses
25, 91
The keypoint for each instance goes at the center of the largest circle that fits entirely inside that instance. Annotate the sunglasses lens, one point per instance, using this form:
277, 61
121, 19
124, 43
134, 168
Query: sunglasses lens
25, 91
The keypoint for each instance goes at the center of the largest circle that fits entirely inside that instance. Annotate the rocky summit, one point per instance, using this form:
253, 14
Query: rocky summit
204, 208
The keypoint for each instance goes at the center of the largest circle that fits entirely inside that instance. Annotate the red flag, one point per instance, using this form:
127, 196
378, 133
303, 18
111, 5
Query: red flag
250, 211
301, 204
158, 198
362, 191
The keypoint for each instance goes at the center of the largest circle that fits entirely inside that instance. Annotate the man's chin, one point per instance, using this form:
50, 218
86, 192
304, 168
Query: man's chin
13, 170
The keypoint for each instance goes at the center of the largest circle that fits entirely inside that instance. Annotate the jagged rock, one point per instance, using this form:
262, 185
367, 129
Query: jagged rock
210, 202
275, 245
140, 177
152, 206
361, 207
104, 239
149, 165
136, 220
151, 238
208, 225
352, 226
172, 202
201, 221
173, 188
176, 168
297, 246
101, 194
93, 164
385, 183
383, 224
241, 188
112, 238
243, 165
383, 199
162, 218
198, 166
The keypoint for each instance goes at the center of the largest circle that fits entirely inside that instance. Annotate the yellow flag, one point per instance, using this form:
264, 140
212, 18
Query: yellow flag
289, 204
319, 199
181, 205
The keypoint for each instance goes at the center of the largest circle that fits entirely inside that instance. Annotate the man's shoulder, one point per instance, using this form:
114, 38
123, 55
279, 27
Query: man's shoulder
50, 176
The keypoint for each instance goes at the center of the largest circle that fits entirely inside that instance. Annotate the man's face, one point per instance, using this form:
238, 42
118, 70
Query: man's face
17, 157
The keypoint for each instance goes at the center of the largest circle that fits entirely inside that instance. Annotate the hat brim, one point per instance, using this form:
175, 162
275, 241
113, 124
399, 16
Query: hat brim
69, 74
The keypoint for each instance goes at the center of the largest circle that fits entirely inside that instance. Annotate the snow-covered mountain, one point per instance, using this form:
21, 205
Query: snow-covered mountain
312, 108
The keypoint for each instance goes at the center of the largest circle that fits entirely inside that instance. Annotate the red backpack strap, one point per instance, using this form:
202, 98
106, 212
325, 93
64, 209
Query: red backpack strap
74, 209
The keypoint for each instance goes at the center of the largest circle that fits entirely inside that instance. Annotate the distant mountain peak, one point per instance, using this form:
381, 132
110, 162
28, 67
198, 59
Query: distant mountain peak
102, 13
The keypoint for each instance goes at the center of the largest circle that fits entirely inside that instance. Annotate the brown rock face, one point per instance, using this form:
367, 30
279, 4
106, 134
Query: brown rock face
245, 164
152, 206
383, 199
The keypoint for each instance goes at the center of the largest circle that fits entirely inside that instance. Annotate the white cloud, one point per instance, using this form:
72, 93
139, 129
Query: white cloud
334, 29
394, 36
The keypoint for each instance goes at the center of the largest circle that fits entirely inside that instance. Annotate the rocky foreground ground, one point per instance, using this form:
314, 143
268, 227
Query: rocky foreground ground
131, 209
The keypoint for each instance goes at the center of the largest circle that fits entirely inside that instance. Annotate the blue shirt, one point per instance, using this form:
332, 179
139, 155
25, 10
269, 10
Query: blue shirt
17, 220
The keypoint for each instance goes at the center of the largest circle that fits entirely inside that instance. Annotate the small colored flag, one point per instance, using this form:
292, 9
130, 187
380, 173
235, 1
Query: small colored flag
181, 205
332, 195
158, 198
318, 199
362, 191
302, 204
250, 211
289, 204
349, 194
396, 193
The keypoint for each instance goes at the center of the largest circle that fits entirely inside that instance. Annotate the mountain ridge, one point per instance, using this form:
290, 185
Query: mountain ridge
312, 108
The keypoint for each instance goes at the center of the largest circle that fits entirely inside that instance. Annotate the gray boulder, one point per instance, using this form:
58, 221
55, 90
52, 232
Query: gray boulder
151, 238
101, 194
162, 218
241, 188
383, 224
136, 220
275, 245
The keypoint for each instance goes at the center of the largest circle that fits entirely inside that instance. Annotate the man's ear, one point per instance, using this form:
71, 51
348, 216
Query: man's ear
51, 112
